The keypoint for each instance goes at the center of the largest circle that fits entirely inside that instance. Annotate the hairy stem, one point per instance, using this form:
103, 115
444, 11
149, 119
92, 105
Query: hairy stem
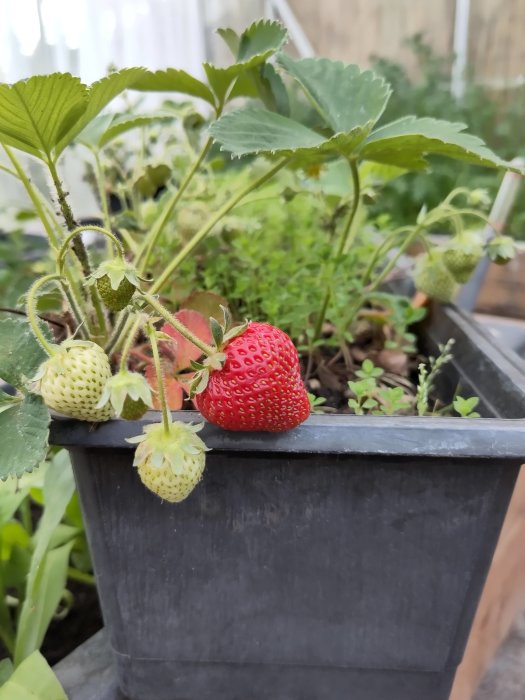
31, 302
144, 252
130, 340
166, 416
203, 232
99, 176
77, 231
169, 318
342, 244
118, 333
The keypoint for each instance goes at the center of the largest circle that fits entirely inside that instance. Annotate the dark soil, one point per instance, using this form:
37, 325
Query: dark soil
81, 623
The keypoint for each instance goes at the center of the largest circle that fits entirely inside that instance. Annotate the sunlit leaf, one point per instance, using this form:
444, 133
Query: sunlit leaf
346, 97
407, 141
174, 80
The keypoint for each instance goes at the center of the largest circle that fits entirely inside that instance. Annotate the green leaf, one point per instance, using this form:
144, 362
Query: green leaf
33, 680
24, 430
349, 100
36, 113
254, 130
407, 141
230, 38
100, 94
255, 45
7, 401
42, 115
6, 670
174, 80
20, 353
48, 572
11, 496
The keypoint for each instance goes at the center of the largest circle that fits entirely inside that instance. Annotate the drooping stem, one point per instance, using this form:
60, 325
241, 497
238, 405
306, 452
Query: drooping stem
81, 576
130, 340
166, 416
71, 224
99, 176
203, 232
31, 301
342, 245
118, 332
169, 318
144, 252
77, 231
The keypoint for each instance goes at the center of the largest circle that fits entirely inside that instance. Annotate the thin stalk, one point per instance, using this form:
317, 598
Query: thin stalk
77, 231
166, 416
203, 232
25, 516
80, 576
78, 247
381, 250
169, 318
78, 244
342, 244
144, 252
72, 294
118, 332
99, 177
31, 301
130, 340
384, 273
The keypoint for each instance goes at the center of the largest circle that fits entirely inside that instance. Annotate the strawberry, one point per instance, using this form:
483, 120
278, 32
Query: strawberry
72, 380
128, 393
432, 277
116, 282
170, 462
258, 386
462, 256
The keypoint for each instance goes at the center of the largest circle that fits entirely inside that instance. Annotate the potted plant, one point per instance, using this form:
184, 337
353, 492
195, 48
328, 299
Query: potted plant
324, 555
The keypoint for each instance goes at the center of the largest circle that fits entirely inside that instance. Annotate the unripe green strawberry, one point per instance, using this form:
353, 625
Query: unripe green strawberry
116, 282
115, 299
170, 462
133, 410
128, 393
72, 380
432, 277
462, 256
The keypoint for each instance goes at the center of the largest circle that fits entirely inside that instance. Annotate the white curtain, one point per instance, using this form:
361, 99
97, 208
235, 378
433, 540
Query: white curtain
85, 37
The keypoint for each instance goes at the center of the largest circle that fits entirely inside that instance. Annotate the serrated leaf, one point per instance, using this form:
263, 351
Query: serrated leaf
174, 80
254, 130
20, 353
100, 94
346, 97
24, 430
36, 113
230, 38
407, 141
256, 44
33, 680
107, 127
42, 115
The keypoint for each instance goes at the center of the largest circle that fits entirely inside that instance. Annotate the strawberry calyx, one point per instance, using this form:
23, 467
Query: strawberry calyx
122, 389
116, 280
222, 335
167, 448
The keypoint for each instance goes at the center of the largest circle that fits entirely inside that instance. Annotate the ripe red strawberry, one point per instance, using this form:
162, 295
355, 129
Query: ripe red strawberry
259, 386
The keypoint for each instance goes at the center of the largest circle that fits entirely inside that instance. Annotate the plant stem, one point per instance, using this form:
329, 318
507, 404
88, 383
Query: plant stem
169, 318
77, 231
129, 343
99, 176
25, 515
78, 247
71, 224
166, 416
81, 576
118, 330
144, 252
31, 301
202, 233
342, 244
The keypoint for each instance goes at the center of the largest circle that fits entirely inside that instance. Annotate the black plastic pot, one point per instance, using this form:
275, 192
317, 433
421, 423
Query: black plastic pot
341, 560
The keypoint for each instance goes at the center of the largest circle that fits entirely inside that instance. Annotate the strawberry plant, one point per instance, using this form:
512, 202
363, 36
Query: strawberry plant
242, 375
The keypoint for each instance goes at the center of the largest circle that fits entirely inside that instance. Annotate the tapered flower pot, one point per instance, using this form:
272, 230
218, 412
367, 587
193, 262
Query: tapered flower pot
341, 560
